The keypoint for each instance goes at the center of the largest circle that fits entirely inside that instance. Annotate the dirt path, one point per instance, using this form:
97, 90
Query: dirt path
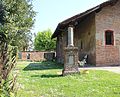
115, 69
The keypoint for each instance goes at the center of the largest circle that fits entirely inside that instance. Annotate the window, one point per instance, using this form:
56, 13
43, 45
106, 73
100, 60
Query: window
109, 39
19, 55
28, 56
81, 45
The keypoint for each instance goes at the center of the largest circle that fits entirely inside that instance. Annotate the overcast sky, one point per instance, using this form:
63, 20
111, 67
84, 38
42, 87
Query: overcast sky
51, 12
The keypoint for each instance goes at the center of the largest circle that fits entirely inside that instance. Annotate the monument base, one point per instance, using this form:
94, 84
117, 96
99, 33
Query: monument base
64, 72
70, 61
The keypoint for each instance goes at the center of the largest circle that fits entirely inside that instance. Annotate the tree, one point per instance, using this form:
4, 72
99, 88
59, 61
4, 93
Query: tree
19, 20
43, 41
16, 21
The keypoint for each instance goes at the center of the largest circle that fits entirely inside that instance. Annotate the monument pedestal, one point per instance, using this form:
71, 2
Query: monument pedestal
70, 60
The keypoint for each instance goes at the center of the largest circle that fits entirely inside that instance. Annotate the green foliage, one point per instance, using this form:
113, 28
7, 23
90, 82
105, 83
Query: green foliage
7, 84
16, 21
6, 87
43, 79
19, 19
1, 13
43, 41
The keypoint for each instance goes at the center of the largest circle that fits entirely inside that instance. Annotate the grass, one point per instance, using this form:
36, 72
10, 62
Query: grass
43, 79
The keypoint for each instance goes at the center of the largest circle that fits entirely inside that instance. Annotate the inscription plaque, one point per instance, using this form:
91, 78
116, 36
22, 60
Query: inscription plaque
70, 59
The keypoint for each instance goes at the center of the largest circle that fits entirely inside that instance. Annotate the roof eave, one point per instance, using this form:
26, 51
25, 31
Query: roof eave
78, 16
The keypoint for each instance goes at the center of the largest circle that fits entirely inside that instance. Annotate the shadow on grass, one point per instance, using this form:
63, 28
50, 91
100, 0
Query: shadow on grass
47, 76
45, 65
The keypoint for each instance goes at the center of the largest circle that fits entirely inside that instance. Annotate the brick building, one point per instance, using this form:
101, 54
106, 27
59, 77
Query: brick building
96, 34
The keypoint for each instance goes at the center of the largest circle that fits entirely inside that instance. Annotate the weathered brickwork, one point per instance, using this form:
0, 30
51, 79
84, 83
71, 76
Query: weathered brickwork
85, 33
108, 55
59, 50
37, 56
108, 19
70, 65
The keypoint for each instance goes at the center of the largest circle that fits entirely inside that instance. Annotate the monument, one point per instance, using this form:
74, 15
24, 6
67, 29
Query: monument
70, 55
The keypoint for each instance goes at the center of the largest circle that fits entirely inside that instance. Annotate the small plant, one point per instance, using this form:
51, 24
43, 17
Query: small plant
83, 62
8, 78
7, 87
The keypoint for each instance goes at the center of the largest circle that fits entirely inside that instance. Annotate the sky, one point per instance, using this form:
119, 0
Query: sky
52, 12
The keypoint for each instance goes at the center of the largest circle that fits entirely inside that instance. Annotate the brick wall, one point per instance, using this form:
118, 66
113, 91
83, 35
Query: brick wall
85, 33
107, 55
59, 49
38, 56
108, 19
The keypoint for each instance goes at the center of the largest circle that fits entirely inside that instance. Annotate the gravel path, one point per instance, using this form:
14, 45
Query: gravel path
115, 69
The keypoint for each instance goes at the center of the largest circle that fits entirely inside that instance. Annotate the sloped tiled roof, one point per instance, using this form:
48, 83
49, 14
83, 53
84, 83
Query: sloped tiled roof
77, 17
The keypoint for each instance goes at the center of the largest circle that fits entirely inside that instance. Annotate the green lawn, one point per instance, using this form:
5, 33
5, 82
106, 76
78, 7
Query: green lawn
43, 79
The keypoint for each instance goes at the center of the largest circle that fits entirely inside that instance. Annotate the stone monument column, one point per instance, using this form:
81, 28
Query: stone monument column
70, 36
70, 55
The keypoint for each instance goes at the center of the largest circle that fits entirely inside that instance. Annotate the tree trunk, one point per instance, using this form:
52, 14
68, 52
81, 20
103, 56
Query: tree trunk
3, 60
